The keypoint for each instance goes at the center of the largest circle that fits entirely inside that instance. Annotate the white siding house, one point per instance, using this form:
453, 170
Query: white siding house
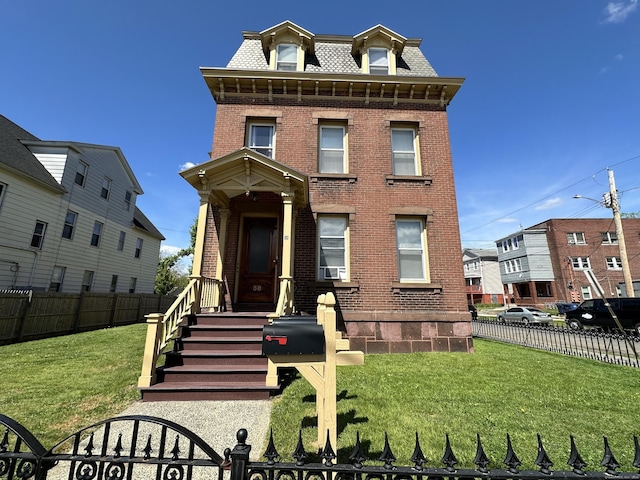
68, 220
482, 276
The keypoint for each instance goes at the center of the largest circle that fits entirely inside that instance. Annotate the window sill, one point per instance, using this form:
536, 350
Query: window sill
396, 287
351, 178
352, 286
392, 179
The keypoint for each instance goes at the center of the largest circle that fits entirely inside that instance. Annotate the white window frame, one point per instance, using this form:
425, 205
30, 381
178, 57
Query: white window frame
57, 277
133, 281
69, 226
113, 286
283, 64
106, 188
266, 150
128, 195
322, 167
87, 280
580, 263
38, 234
3, 190
384, 65
414, 249
585, 290
81, 174
513, 266
576, 238
337, 272
397, 151
138, 251
613, 263
96, 234
121, 240
609, 238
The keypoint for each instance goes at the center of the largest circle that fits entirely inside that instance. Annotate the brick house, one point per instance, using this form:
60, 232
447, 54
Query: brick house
331, 170
545, 263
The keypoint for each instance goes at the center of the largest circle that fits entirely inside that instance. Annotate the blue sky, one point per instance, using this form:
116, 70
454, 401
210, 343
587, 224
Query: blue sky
551, 96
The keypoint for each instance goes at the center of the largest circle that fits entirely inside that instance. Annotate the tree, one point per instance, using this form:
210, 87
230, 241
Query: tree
630, 215
168, 277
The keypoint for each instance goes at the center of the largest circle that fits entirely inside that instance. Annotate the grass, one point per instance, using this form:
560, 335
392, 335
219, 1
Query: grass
499, 389
57, 386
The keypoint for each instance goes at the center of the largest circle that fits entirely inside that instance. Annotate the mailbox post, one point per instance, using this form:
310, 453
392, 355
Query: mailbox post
285, 349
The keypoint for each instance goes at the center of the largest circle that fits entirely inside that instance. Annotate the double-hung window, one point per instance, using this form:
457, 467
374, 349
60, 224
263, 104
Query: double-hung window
580, 263
97, 233
261, 138
114, 283
38, 235
614, 263
121, 239
81, 173
132, 284
332, 247
576, 238
332, 158
410, 235
403, 148
69, 224
287, 57
3, 189
57, 277
138, 251
106, 188
127, 200
379, 61
87, 281
609, 238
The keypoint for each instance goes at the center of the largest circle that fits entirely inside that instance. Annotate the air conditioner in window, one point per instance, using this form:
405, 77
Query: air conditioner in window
331, 273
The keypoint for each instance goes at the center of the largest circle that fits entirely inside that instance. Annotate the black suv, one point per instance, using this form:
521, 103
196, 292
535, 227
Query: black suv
595, 313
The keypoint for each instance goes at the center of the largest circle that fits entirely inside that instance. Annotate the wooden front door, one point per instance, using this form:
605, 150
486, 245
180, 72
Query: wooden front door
259, 260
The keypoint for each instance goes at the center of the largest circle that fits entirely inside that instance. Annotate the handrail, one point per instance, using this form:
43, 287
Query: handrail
162, 327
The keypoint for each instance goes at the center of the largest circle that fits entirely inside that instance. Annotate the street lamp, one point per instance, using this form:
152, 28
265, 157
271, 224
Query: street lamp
610, 200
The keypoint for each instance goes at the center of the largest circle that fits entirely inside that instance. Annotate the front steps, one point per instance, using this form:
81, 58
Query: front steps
216, 356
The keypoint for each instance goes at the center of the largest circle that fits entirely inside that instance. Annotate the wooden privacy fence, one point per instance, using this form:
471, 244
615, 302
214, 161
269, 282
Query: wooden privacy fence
32, 315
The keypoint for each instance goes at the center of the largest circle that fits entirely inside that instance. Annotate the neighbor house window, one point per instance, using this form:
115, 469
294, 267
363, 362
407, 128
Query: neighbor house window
513, 266
613, 263
261, 138
132, 284
576, 238
403, 147
87, 281
106, 188
379, 61
121, 241
57, 277
3, 189
586, 293
38, 235
332, 150
97, 233
609, 238
81, 174
410, 236
287, 57
138, 251
127, 200
580, 263
332, 247
69, 224
114, 283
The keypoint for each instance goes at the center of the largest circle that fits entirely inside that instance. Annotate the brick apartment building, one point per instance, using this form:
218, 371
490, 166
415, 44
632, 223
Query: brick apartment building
546, 262
331, 170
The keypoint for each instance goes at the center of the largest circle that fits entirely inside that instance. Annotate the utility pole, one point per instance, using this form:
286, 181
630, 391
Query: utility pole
611, 201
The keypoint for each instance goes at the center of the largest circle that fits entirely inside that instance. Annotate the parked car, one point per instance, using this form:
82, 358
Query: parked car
524, 315
595, 313
473, 311
566, 307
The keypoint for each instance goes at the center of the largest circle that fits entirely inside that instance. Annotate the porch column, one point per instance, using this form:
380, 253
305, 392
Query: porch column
198, 252
285, 299
222, 241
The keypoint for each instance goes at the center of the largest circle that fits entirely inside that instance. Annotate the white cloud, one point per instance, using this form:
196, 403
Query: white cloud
166, 250
551, 203
507, 220
186, 166
618, 57
617, 12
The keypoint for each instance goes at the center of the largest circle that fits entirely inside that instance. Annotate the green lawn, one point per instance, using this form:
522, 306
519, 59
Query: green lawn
57, 386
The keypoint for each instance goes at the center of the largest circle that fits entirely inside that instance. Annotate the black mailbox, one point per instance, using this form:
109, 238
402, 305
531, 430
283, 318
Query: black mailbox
293, 335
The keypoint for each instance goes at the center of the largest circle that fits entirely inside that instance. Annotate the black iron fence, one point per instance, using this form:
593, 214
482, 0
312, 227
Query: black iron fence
608, 347
142, 447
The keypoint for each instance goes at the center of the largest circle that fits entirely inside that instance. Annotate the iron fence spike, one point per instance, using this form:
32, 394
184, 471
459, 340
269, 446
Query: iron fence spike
4, 445
608, 460
328, 455
175, 451
299, 453
511, 460
418, 457
357, 455
117, 450
147, 449
387, 455
271, 454
636, 458
543, 460
449, 458
89, 448
575, 460
481, 460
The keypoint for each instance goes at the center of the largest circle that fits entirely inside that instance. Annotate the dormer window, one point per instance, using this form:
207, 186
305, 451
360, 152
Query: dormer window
378, 61
287, 57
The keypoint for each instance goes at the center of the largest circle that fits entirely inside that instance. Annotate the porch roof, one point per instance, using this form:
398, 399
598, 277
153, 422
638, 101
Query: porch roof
244, 171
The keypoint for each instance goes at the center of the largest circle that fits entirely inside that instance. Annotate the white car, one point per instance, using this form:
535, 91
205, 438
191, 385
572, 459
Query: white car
525, 315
